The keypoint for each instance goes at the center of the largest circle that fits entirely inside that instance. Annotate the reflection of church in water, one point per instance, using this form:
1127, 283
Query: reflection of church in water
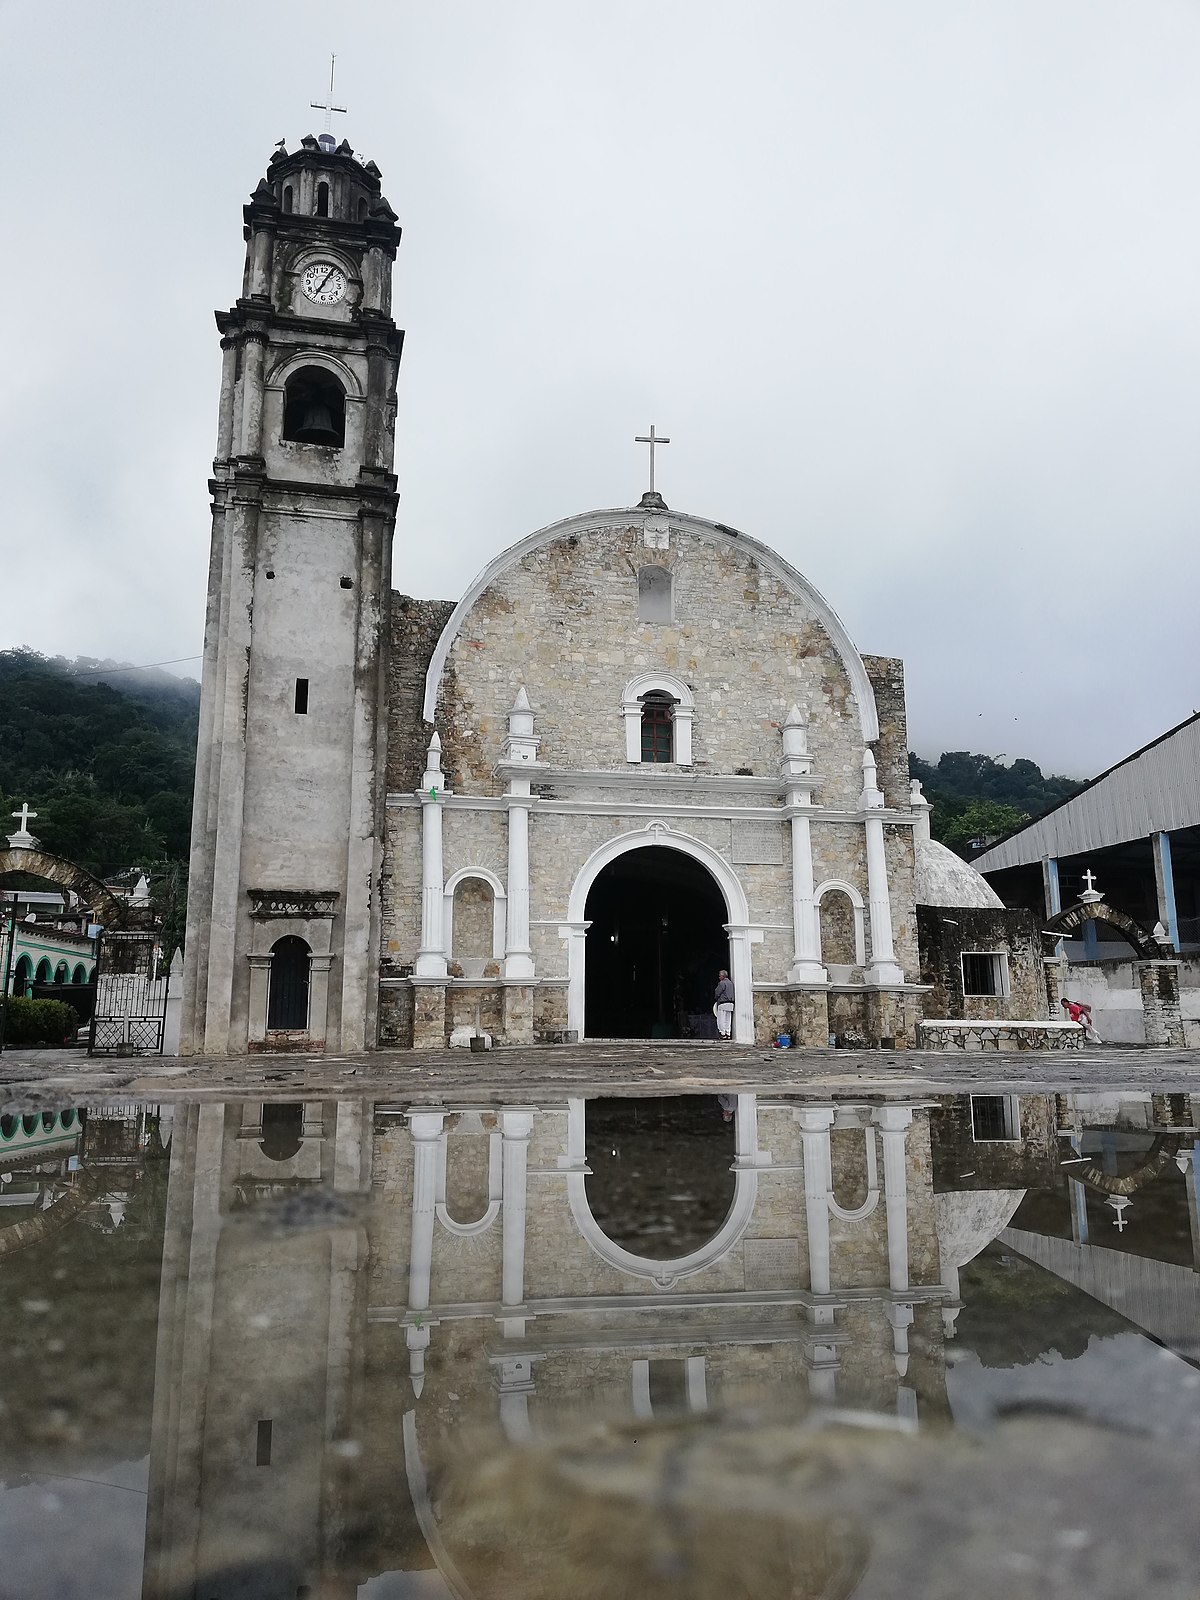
322, 1359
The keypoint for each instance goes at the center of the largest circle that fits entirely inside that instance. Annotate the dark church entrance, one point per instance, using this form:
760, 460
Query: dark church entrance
656, 943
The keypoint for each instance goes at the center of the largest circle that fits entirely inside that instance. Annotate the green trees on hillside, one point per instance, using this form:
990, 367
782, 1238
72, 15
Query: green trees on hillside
974, 796
106, 763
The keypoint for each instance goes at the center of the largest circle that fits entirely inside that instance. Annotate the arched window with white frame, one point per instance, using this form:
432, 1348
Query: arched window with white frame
658, 709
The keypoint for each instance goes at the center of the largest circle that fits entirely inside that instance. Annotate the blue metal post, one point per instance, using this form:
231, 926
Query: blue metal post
1053, 894
1164, 874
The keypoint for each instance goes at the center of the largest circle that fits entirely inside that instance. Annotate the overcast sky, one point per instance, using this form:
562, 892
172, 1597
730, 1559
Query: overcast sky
912, 287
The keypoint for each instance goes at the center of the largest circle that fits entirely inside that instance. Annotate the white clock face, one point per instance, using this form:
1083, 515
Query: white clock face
323, 283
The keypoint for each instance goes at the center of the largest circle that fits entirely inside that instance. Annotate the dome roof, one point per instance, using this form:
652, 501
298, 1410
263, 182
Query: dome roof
944, 879
969, 1219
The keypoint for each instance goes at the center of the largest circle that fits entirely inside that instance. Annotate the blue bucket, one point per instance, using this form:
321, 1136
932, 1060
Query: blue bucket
785, 1041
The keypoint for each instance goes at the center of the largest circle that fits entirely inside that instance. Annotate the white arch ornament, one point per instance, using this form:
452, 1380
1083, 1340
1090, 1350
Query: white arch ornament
742, 932
859, 907
499, 907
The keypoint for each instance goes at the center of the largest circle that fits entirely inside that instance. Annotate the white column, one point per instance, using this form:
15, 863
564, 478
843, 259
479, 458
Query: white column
518, 958
741, 936
574, 936
520, 751
425, 1128
893, 1123
516, 1127
795, 771
431, 957
807, 966
883, 968
815, 1123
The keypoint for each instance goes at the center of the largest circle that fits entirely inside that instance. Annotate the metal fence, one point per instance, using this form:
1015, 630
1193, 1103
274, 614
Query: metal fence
131, 996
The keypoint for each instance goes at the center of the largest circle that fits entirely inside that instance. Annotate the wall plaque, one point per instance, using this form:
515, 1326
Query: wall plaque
758, 844
772, 1263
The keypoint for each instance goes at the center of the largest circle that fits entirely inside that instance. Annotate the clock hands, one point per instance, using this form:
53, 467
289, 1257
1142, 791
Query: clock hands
319, 286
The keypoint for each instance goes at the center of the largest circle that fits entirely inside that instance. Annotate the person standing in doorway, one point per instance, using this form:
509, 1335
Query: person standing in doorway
723, 1009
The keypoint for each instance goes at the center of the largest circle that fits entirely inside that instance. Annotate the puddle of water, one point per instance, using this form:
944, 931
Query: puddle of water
683, 1346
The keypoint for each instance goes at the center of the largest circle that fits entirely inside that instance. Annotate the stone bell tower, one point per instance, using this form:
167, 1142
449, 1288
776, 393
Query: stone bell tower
283, 902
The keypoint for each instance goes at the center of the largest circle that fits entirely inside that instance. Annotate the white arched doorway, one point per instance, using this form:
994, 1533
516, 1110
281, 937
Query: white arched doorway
739, 929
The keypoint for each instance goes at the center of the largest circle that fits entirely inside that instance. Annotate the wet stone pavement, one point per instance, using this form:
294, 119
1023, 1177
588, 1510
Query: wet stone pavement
601, 1323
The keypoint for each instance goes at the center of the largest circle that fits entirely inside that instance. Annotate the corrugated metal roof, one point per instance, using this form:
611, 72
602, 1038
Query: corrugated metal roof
1154, 790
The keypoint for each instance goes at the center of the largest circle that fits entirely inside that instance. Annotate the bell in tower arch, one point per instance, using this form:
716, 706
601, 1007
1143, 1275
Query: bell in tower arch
314, 408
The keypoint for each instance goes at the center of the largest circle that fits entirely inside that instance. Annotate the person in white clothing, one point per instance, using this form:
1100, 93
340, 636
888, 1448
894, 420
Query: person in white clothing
723, 1009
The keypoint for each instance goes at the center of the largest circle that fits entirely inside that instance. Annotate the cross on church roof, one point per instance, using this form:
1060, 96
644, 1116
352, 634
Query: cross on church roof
1089, 878
651, 439
327, 105
24, 815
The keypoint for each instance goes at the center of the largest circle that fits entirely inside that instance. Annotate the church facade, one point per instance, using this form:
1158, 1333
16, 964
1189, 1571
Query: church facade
640, 750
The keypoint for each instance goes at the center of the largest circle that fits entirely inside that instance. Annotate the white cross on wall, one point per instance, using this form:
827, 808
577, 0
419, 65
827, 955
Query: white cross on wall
651, 439
24, 815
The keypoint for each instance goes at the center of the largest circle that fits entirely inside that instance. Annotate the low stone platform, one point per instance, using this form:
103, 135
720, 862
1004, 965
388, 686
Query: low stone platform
552, 1072
956, 1034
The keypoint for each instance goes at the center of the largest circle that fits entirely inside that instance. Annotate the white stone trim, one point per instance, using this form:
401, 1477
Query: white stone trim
499, 911
278, 376
746, 1167
742, 933
856, 900
621, 518
468, 1230
683, 711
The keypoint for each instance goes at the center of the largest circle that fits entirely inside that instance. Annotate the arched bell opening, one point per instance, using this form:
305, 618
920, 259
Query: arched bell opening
656, 943
287, 991
314, 408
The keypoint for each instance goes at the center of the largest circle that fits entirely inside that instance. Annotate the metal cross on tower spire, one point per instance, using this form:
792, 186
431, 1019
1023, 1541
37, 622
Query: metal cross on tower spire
651, 439
327, 105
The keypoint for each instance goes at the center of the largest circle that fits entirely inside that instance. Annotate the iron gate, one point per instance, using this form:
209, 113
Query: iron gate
131, 996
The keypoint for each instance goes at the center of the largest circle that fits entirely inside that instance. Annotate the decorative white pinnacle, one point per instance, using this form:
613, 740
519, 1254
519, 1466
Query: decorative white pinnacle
872, 795
918, 804
434, 780
521, 744
795, 733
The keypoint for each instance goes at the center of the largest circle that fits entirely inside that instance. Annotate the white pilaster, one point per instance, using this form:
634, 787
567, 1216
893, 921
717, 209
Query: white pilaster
893, 1123
520, 748
516, 1127
518, 957
795, 771
425, 1128
431, 957
884, 969
815, 1123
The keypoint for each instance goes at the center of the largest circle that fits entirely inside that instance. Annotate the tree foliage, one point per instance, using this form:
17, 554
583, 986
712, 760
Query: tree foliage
106, 761
975, 796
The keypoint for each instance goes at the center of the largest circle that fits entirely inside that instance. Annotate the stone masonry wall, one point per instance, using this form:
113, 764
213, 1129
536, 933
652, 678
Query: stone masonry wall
563, 620
416, 628
947, 932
